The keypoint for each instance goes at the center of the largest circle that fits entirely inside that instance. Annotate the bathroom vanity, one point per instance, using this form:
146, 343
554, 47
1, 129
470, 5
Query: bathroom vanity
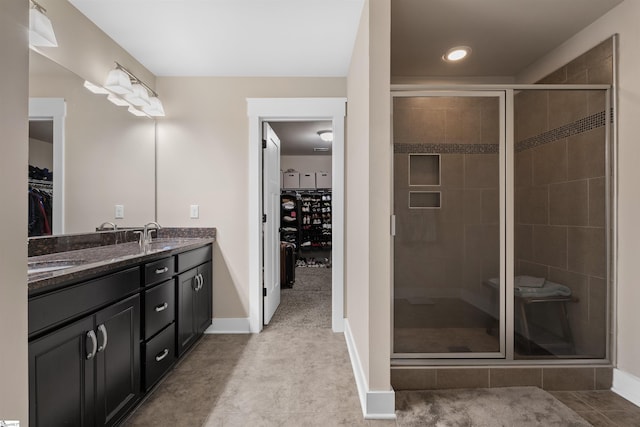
107, 323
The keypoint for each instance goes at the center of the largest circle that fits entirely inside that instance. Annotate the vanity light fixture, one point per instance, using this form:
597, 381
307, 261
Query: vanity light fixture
141, 99
40, 28
456, 54
98, 90
155, 108
326, 135
118, 82
118, 101
137, 112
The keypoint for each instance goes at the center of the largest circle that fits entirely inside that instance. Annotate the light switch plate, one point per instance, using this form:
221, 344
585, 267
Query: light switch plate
119, 211
194, 212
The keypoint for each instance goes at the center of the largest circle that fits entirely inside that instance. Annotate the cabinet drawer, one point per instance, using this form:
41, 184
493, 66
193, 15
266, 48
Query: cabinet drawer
194, 258
159, 355
158, 271
159, 308
56, 307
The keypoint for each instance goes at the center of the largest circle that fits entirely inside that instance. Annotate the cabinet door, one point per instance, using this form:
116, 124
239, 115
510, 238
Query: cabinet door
187, 332
203, 299
61, 378
117, 360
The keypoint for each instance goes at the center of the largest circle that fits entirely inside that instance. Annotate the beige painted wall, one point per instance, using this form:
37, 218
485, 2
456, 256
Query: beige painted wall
621, 20
368, 194
306, 163
380, 158
203, 159
40, 154
14, 68
107, 149
356, 263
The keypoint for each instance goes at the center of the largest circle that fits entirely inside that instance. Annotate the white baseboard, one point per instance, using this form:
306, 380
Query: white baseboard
627, 386
376, 405
231, 325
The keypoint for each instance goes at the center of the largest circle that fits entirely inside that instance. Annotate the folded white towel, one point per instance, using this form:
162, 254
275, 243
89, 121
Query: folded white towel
529, 281
549, 289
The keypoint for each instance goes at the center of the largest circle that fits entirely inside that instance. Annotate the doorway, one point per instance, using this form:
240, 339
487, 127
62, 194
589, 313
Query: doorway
305, 230
291, 110
46, 122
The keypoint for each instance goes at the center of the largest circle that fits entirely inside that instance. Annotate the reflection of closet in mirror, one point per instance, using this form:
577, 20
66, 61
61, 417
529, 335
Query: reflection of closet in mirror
46, 180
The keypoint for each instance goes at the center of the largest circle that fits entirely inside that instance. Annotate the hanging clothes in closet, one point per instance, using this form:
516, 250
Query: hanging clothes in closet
40, 201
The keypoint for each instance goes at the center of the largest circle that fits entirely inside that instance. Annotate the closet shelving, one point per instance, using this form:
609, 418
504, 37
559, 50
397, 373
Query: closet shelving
315, 211
290, 220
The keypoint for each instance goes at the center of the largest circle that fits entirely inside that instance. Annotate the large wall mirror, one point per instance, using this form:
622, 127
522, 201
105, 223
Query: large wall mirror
87, 156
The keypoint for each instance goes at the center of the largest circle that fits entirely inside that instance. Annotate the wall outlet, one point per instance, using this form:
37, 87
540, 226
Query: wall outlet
119, 211
194, 212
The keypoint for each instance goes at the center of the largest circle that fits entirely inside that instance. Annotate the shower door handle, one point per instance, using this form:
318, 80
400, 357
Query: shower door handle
393, 225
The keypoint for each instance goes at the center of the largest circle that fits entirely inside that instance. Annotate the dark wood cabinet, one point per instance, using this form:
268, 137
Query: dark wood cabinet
87, 373
117, 360
61, 377
96, 346
194, 305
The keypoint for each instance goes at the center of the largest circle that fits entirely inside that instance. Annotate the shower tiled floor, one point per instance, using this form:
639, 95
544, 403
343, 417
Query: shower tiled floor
297, 373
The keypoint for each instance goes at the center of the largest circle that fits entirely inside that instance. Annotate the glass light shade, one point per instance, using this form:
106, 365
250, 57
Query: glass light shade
155, 108
40, 30
118, 82
139, 97
118, 101
137, 112
95, 88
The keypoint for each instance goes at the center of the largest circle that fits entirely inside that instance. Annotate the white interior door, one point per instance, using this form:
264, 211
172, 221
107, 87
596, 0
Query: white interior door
271, 224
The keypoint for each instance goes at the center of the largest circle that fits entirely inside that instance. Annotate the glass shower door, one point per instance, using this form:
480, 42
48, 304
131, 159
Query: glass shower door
448, 245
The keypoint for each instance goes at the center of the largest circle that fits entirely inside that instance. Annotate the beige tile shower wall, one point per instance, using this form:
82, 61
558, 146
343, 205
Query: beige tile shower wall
560, 195
447, 252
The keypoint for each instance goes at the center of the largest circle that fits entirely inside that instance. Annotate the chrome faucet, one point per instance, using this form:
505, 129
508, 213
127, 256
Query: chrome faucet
113, 226
147, 231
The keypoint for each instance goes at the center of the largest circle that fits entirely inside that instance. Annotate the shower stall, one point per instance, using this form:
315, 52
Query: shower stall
502, 204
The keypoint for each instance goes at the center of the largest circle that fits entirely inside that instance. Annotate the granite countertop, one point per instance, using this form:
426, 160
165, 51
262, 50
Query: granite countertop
92, 262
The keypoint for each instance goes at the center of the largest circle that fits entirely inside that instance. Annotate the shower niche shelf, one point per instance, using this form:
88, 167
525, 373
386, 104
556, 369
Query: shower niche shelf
424, 169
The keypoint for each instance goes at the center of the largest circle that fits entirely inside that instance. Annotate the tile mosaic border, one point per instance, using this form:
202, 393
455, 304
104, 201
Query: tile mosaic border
446, 148
585, 124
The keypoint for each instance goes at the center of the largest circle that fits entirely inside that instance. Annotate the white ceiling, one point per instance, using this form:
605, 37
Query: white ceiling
505, 35
232, 37
300, 138
316, 37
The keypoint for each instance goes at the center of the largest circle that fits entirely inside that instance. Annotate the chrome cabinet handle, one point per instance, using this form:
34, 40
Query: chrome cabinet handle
162, 307
201, 280
162, 355
162, 270
103, 331
197, 282
94, 342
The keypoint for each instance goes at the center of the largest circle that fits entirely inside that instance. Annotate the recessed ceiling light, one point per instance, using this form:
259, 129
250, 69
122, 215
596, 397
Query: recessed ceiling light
326, 135
457, 53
